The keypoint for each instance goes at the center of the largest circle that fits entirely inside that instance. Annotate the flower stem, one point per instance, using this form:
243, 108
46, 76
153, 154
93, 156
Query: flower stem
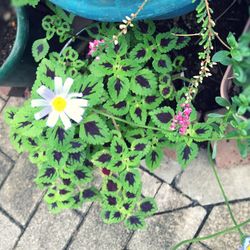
215, 172
217, 234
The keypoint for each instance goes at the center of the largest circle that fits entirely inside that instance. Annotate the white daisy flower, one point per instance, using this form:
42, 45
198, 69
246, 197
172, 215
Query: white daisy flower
246, 245
60, 104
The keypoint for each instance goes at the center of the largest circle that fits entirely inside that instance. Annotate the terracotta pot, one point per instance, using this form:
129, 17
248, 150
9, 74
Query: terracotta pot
228, 148
226, 83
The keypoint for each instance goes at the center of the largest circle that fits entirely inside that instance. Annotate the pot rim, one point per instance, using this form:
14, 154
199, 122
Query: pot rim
19, 44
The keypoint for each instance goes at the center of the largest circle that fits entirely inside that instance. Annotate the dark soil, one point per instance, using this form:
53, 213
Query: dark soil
8, 28
230, 16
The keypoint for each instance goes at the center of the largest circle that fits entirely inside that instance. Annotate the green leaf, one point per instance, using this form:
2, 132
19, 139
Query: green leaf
82, 175
140, 146
222, 102
102, 158
202, 130
9, 115
144, 83
222, 57
94, 131
144, 28
110, 201
162, 64
118, 88
165, 42
46, 174
133, 134
118, 146
91, 88
186, 153
162, 117
111, 185
243, 148
141, 53
111, 217
119, 109
138, 114
153, 158
152, 102
57, 156
147, 207
40, 49
90, 194
130, 180
135, 222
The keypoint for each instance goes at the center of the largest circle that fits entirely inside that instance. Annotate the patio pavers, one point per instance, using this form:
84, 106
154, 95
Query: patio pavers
189, 205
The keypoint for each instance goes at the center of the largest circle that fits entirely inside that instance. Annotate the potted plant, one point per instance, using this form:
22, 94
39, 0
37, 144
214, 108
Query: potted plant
235, 89
104, 108
15, 37
111, 11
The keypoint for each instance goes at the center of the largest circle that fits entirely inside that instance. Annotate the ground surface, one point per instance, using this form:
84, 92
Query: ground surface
189, 205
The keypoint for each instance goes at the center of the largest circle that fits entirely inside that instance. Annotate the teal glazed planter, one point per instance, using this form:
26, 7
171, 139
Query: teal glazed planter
116, 10
9, 71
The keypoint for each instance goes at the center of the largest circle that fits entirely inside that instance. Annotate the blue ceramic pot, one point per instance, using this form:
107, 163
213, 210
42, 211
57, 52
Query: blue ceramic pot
116, 10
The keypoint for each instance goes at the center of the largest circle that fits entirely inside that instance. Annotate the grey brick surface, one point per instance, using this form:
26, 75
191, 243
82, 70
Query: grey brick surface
19, 194
168, 170
48, 231
150, 184
5, 166
2, 103
199, 183
198, 246
219, 219
96, 235
168, 198
9, 233
166, 230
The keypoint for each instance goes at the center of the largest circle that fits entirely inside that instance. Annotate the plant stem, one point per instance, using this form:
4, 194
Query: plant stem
133, 124
217, 234
242, 235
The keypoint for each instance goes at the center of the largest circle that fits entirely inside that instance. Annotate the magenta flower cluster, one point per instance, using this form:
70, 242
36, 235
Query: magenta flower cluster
181, 121
93, 46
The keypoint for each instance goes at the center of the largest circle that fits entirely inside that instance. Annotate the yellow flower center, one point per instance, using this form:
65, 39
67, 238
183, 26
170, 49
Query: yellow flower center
59, 104
248, 247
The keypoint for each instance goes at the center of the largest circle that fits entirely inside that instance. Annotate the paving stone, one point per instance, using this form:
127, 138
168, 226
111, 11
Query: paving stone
5, 166
48, 231
150, 184
5, 144
9, 233
168, 198
219, 219
199, 183
4, 92
166, 230
19, 193
96, 235
2, 103
168, 170
198, 246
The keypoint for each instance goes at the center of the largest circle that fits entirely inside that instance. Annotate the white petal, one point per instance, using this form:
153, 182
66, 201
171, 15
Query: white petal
67, 85
46, 93
39, 115
78, 103
52, 119
39, 103
74, 95
75, 114
58, 85
66, 121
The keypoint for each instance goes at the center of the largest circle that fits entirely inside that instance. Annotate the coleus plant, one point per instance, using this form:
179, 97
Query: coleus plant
127, 108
